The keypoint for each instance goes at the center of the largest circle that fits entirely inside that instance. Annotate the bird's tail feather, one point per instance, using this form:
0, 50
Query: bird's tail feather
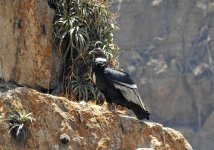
140, 112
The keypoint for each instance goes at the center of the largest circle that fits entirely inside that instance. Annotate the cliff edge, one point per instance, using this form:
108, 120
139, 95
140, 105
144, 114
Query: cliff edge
62, 124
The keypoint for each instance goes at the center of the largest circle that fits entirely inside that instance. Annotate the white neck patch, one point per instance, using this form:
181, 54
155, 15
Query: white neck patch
100, 59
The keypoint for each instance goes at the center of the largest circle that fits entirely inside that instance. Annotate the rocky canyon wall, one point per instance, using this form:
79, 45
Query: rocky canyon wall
167, 46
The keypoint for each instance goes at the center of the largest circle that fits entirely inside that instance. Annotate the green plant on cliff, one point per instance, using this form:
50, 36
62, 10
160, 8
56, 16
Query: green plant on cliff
17, 124
80, 26
81, 87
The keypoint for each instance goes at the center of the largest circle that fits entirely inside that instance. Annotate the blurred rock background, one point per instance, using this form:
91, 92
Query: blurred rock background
167, 46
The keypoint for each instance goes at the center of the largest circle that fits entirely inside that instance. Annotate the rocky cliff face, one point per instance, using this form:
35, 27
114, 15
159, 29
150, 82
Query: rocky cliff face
28, 58
26, 43
86, 126
168, 49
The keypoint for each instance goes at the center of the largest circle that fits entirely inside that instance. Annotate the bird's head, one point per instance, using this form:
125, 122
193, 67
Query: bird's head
100, 60
97, 53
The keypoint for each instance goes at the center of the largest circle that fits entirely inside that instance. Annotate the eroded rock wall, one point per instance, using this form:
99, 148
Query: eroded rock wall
26, 42
167, 46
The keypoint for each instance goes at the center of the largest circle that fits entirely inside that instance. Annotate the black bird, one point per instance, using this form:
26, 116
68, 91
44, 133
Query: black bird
117, 86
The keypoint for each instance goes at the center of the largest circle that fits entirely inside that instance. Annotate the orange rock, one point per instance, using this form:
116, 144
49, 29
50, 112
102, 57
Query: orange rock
88, 126
26, 49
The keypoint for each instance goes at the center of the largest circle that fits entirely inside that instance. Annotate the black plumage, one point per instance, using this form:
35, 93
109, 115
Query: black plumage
117, 86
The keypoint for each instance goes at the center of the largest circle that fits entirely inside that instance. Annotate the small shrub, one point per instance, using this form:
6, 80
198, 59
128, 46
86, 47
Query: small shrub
17, 125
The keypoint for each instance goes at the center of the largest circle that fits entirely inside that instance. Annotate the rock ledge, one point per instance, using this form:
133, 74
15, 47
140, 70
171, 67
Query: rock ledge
85, 126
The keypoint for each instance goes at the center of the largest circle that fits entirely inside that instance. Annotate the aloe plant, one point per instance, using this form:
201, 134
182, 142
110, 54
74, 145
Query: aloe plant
82, 87
16, 122
80, 26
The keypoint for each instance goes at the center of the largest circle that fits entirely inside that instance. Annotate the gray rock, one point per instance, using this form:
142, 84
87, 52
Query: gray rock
170, 46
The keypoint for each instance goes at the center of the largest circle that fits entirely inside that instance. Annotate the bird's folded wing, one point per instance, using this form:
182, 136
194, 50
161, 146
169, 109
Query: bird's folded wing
120, 77
122, 81
131, 94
